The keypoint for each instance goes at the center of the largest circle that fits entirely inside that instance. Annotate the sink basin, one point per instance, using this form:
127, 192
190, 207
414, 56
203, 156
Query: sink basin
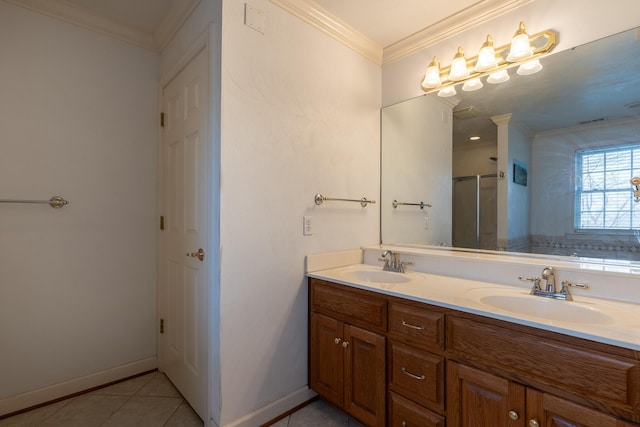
546, 308
374, 276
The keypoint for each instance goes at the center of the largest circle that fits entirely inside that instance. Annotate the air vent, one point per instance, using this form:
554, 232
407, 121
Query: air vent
586, 122
635, 104
465, 113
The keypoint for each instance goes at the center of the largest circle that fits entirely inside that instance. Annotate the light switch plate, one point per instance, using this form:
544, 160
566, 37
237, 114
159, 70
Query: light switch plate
307, 229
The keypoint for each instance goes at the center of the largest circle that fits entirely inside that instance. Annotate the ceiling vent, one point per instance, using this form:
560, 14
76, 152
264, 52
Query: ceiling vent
465, 113
635, 104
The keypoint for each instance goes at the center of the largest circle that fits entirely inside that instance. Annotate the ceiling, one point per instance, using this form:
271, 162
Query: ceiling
147, 23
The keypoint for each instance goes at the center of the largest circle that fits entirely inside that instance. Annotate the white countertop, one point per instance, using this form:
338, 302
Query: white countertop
617, 323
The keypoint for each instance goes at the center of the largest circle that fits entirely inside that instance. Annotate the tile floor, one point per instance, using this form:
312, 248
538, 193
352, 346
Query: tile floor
151, 400
320, 414
146, 401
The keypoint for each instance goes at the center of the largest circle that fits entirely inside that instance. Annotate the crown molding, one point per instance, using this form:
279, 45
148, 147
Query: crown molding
320, 18
449, 27
66, 11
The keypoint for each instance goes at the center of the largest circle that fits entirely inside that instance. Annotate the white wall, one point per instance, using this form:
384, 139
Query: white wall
417, 164
300, 116
77, 285
576, 21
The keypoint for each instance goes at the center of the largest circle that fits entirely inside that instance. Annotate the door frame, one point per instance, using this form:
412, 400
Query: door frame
206, 42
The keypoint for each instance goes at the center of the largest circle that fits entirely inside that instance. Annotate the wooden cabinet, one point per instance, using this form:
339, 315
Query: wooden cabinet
481, 399
389, 361
347, 362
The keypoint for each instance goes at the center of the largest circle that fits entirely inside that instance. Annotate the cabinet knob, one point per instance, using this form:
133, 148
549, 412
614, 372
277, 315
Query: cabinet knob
345, 344
513, 415
534, 423
337, 340
404, 424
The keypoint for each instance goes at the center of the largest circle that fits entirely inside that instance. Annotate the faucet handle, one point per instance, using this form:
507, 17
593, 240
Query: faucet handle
567, 284
535, 280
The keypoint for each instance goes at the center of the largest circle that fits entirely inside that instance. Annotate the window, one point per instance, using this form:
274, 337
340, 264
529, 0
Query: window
604, 196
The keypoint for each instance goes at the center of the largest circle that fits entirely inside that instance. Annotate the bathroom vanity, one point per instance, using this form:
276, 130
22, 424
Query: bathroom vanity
418, 349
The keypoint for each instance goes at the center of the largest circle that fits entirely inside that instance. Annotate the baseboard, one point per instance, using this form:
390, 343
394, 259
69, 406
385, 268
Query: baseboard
274, 409
53, 392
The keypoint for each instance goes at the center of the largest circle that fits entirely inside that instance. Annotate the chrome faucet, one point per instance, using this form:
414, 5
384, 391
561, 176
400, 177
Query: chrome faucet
550, 291
549, 276
392, 262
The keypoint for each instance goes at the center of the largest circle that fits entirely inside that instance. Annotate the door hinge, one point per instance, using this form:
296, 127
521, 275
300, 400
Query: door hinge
162, 120
161, 222
162, 326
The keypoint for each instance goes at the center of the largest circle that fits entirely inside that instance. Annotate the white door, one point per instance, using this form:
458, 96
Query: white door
185, 210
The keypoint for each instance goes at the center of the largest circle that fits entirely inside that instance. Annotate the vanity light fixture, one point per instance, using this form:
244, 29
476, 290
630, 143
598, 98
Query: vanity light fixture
487, 57
474, 138
432, 76
520, 45
472, 84
530, 67
459, 70
493, 63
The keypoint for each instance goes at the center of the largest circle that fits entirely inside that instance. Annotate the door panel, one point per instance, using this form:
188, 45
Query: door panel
185, 209
326, 358
364, 374
477, 398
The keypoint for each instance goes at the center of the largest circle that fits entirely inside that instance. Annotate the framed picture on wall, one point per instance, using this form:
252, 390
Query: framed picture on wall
519, 173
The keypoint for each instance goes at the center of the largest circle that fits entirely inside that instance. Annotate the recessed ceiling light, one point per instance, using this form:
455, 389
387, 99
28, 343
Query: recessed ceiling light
474, 138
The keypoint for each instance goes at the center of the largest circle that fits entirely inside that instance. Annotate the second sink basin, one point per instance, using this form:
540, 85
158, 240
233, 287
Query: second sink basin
374, 276
547, 308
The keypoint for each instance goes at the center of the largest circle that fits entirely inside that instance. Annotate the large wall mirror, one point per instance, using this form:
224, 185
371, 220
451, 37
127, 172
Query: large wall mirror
550, 173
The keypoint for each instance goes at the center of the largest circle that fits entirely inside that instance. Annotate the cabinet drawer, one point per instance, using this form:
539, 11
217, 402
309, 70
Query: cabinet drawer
353, 306
417, 375
416, 326
582, 372
405, 413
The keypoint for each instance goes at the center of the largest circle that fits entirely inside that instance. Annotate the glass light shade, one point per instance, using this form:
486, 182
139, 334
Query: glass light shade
530, 67
472, 84
447, 92
459, 70
486, 57
520, 45
432, 76
498, 77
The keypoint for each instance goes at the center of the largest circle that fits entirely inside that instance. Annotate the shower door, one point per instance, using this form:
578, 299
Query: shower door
475, 223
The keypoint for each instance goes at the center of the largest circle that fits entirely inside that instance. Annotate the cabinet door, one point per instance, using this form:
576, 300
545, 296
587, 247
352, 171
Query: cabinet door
364, 375
546, 410
326, 358
477, 398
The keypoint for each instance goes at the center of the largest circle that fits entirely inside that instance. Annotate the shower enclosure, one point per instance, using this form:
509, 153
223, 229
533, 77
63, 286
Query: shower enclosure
475, 218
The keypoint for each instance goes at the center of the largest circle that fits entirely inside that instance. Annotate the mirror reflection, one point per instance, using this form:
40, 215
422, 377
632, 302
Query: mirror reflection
548, 170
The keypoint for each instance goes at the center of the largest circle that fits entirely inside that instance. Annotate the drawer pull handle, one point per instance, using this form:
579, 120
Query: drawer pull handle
534, 423
409, 325
414, 376
337, 340
513, 415
345, 344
